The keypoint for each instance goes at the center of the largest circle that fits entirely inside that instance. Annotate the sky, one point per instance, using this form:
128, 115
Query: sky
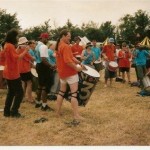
35, 12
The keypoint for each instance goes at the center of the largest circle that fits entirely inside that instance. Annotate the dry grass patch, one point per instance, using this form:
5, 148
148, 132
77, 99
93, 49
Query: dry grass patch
114, 116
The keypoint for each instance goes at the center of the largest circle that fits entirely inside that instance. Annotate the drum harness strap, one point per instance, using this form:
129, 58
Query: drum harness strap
71, 94
61, 93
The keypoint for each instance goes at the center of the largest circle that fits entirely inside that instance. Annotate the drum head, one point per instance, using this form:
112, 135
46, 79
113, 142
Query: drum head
78, 56
91, 72
97, 62
34, 73
113, 64
1, 67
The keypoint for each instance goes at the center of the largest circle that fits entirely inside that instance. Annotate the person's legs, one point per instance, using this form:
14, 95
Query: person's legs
60, 98
9, 98
29, 91
74, 101
18, 96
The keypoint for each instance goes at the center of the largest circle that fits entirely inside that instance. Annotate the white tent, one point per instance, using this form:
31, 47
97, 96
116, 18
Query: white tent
84, 40
146, 41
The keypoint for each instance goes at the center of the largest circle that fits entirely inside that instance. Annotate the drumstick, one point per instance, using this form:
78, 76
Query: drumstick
147, 73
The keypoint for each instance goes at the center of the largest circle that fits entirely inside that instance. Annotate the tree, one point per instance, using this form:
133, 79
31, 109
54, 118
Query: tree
34, 32
106, 30
134, 27
7, 22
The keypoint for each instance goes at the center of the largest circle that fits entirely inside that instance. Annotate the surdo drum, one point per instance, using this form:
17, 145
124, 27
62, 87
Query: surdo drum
87, 82
98, 64
112, 66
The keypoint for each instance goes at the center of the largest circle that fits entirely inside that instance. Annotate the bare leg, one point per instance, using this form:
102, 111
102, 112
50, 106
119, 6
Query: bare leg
24, 89
128, 76
74, 102
29, 91
123, 76
60, 98
111, 80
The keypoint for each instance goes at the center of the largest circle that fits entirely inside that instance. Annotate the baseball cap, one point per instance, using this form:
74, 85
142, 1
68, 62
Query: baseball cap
44, 35
111, 40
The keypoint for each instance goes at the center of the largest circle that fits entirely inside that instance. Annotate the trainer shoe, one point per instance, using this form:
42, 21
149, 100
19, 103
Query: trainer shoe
38, 105
47, 108
16, 115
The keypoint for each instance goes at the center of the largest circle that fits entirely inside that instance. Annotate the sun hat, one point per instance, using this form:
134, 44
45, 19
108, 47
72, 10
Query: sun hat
88, 45
22, 40
44, 35
111, 40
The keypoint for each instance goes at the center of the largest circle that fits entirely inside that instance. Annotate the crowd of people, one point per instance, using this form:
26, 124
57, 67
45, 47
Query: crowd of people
57, 66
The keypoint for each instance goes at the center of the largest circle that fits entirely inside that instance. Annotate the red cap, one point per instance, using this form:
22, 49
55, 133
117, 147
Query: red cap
44, 35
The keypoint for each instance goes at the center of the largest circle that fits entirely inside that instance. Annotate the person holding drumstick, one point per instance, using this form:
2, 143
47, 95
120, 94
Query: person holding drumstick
108, 53
68, 72
12, 75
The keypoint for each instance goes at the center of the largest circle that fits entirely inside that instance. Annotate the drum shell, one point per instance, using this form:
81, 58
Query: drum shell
99, 66
146, 83
111, 67
86, 87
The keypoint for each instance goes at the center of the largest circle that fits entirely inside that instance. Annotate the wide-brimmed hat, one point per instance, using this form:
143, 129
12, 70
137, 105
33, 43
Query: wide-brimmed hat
88, 45
22, 40
44, 35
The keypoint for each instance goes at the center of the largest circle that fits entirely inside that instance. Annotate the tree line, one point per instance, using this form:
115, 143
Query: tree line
131, 28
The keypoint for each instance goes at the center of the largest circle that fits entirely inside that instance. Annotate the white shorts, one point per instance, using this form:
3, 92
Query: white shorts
70, 80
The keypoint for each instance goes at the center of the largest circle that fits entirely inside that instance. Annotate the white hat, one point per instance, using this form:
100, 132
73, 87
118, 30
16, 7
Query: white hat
22, 40
111, 40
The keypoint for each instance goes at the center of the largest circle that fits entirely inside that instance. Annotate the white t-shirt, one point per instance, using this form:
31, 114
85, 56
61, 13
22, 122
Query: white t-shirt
43, 49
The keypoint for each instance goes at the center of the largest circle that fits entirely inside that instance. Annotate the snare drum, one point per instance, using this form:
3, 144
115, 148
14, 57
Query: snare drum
87, 82
112, 66
146, 83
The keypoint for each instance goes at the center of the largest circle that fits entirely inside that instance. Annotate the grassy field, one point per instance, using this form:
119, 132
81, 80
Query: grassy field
114, 116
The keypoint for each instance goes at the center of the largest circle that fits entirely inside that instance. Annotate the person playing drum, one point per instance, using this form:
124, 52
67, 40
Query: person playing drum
68, 73
88, 56
108, 53
76, 48
97, 52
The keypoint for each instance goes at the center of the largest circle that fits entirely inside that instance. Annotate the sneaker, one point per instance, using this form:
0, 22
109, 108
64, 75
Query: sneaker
6, 114
38, 105
47, 108
16, 115
52, 97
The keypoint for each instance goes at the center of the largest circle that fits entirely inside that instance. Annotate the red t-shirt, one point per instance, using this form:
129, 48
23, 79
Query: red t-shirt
76, 49
2, 58
63, 57
11, 69
24, 63
109, 51
124, 59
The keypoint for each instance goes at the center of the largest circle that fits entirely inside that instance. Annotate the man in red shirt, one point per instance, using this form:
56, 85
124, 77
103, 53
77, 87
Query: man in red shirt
12, 75
108, 53
76, 48
68, 72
